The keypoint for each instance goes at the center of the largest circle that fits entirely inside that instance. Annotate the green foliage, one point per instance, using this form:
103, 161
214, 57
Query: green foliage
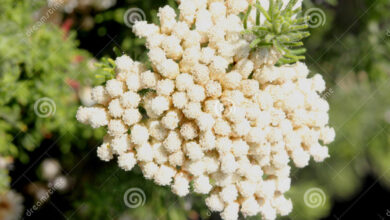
103, 196
112, 22
283, 29
4, 180
108, 67
350, 43
308, 210
37, 60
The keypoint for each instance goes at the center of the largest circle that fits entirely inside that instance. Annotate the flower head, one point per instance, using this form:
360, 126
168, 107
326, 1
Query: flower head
213, 111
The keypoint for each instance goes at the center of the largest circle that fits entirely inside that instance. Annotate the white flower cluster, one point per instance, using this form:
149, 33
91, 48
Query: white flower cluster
218, 116
11, 205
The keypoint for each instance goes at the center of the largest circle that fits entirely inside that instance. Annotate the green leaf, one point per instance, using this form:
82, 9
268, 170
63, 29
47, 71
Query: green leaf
284, 30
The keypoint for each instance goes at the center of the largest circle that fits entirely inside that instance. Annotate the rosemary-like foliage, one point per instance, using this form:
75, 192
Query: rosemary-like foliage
107, 65
283, 29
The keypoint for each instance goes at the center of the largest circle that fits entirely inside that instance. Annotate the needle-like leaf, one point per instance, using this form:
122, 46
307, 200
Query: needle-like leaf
284, 29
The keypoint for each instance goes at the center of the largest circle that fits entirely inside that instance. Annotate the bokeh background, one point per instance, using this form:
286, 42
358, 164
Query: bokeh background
48, 163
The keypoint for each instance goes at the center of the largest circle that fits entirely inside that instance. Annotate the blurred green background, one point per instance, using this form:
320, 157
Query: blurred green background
51, 53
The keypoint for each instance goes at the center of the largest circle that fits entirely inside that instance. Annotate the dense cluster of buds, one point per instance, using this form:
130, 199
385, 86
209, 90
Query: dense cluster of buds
211, 112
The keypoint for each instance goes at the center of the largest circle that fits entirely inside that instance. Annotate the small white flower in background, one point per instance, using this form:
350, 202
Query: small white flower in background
41, 193
70, 5
5, 162
104, 4
61, 183
206, 120
50, 169
11, 205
